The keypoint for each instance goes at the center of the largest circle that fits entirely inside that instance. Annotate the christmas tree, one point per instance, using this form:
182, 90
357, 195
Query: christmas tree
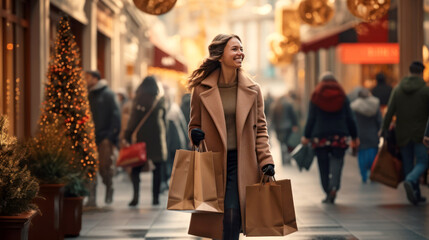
66, 98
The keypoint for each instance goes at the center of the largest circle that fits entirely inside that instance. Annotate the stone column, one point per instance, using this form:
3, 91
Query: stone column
39, 52
410, 33
89, 49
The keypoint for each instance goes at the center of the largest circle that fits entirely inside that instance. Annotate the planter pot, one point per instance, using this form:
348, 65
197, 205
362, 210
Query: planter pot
49, 225
72, 216
16, 227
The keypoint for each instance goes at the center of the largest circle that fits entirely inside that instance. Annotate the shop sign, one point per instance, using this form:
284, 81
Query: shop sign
105, 22
368, 53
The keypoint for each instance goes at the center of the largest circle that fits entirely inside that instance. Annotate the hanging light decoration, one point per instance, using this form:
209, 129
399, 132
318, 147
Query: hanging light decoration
316, 12
282, 49
288, 24
285, 42
155, 7
368, 10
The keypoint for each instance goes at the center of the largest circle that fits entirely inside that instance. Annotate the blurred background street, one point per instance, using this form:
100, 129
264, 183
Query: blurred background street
368, 211
83, 83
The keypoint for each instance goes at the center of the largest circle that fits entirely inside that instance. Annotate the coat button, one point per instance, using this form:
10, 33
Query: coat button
254, 126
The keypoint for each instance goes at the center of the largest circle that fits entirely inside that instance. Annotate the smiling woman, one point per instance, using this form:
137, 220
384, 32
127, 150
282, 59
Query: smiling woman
227, 111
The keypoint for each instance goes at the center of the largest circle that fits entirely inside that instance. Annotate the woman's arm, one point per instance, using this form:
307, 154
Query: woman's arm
195, 113
262, 147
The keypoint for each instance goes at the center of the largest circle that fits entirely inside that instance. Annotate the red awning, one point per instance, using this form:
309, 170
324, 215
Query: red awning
325, 42
164, 60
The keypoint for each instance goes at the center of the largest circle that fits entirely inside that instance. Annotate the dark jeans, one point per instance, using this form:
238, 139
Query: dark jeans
330, 161
414, 169
157, 175
232, 215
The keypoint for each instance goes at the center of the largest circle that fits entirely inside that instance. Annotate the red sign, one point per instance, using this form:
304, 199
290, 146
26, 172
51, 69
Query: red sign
368, 53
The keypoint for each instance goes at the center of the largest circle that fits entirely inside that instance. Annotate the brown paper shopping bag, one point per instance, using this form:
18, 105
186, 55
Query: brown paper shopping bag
181, 191
264, 210
205, 187
386, 168
289, 218
196, 181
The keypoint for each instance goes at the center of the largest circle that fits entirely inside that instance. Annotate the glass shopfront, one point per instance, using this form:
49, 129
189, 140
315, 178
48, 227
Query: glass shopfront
15, 65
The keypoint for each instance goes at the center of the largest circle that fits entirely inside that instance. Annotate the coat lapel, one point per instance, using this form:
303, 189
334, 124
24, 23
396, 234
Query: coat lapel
213, 103
245, 100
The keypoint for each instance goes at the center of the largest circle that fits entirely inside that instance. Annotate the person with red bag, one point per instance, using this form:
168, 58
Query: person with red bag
227, 110
149, 105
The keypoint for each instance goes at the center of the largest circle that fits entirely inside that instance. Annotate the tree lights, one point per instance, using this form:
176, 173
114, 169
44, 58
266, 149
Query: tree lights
66, 98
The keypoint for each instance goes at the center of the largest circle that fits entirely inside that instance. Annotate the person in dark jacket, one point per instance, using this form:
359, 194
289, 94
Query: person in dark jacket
185, 105
152, 132
410, 103
329, 124
107, 121
382, 91
368, 117
177, 130
284, 121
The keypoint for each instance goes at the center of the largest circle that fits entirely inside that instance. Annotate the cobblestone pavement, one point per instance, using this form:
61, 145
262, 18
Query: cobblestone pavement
362, 211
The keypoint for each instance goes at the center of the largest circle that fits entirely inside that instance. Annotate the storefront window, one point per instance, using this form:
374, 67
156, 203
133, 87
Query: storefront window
14, 65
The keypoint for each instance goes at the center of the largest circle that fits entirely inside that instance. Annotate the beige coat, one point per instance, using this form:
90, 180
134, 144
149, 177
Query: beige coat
252, 138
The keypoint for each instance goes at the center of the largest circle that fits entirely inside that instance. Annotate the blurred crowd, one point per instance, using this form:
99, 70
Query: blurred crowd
337, 124
334, 125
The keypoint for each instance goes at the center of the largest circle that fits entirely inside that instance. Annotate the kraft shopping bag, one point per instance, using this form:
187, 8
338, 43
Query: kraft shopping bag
264, 210
205, 187
386, 168
289, 218
196, 183
181, 189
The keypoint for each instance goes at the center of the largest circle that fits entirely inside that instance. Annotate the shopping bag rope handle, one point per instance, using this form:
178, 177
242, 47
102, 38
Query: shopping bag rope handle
200, 148
264, 176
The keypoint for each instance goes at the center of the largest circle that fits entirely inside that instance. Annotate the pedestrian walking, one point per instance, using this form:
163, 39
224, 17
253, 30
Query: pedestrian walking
185, 105
382, 91
329, 124
176, 130
107, 121
227, 111
152, 132
285, 122
409, 102
368, 118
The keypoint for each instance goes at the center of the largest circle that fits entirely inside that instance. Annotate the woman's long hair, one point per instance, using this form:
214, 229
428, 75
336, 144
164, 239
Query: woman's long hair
211, 63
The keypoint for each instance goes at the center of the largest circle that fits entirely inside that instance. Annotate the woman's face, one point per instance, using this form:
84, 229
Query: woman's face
232, 54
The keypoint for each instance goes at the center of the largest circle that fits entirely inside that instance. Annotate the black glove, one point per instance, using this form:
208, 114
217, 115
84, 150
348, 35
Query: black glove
197, 136
268, 170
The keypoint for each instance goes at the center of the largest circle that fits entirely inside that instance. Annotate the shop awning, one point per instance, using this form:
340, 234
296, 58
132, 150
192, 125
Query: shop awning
325, 42
163, 60
376, 32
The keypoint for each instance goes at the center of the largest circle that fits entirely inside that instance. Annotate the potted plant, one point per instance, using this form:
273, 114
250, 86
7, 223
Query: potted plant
48, 160
17, 189
74, 193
